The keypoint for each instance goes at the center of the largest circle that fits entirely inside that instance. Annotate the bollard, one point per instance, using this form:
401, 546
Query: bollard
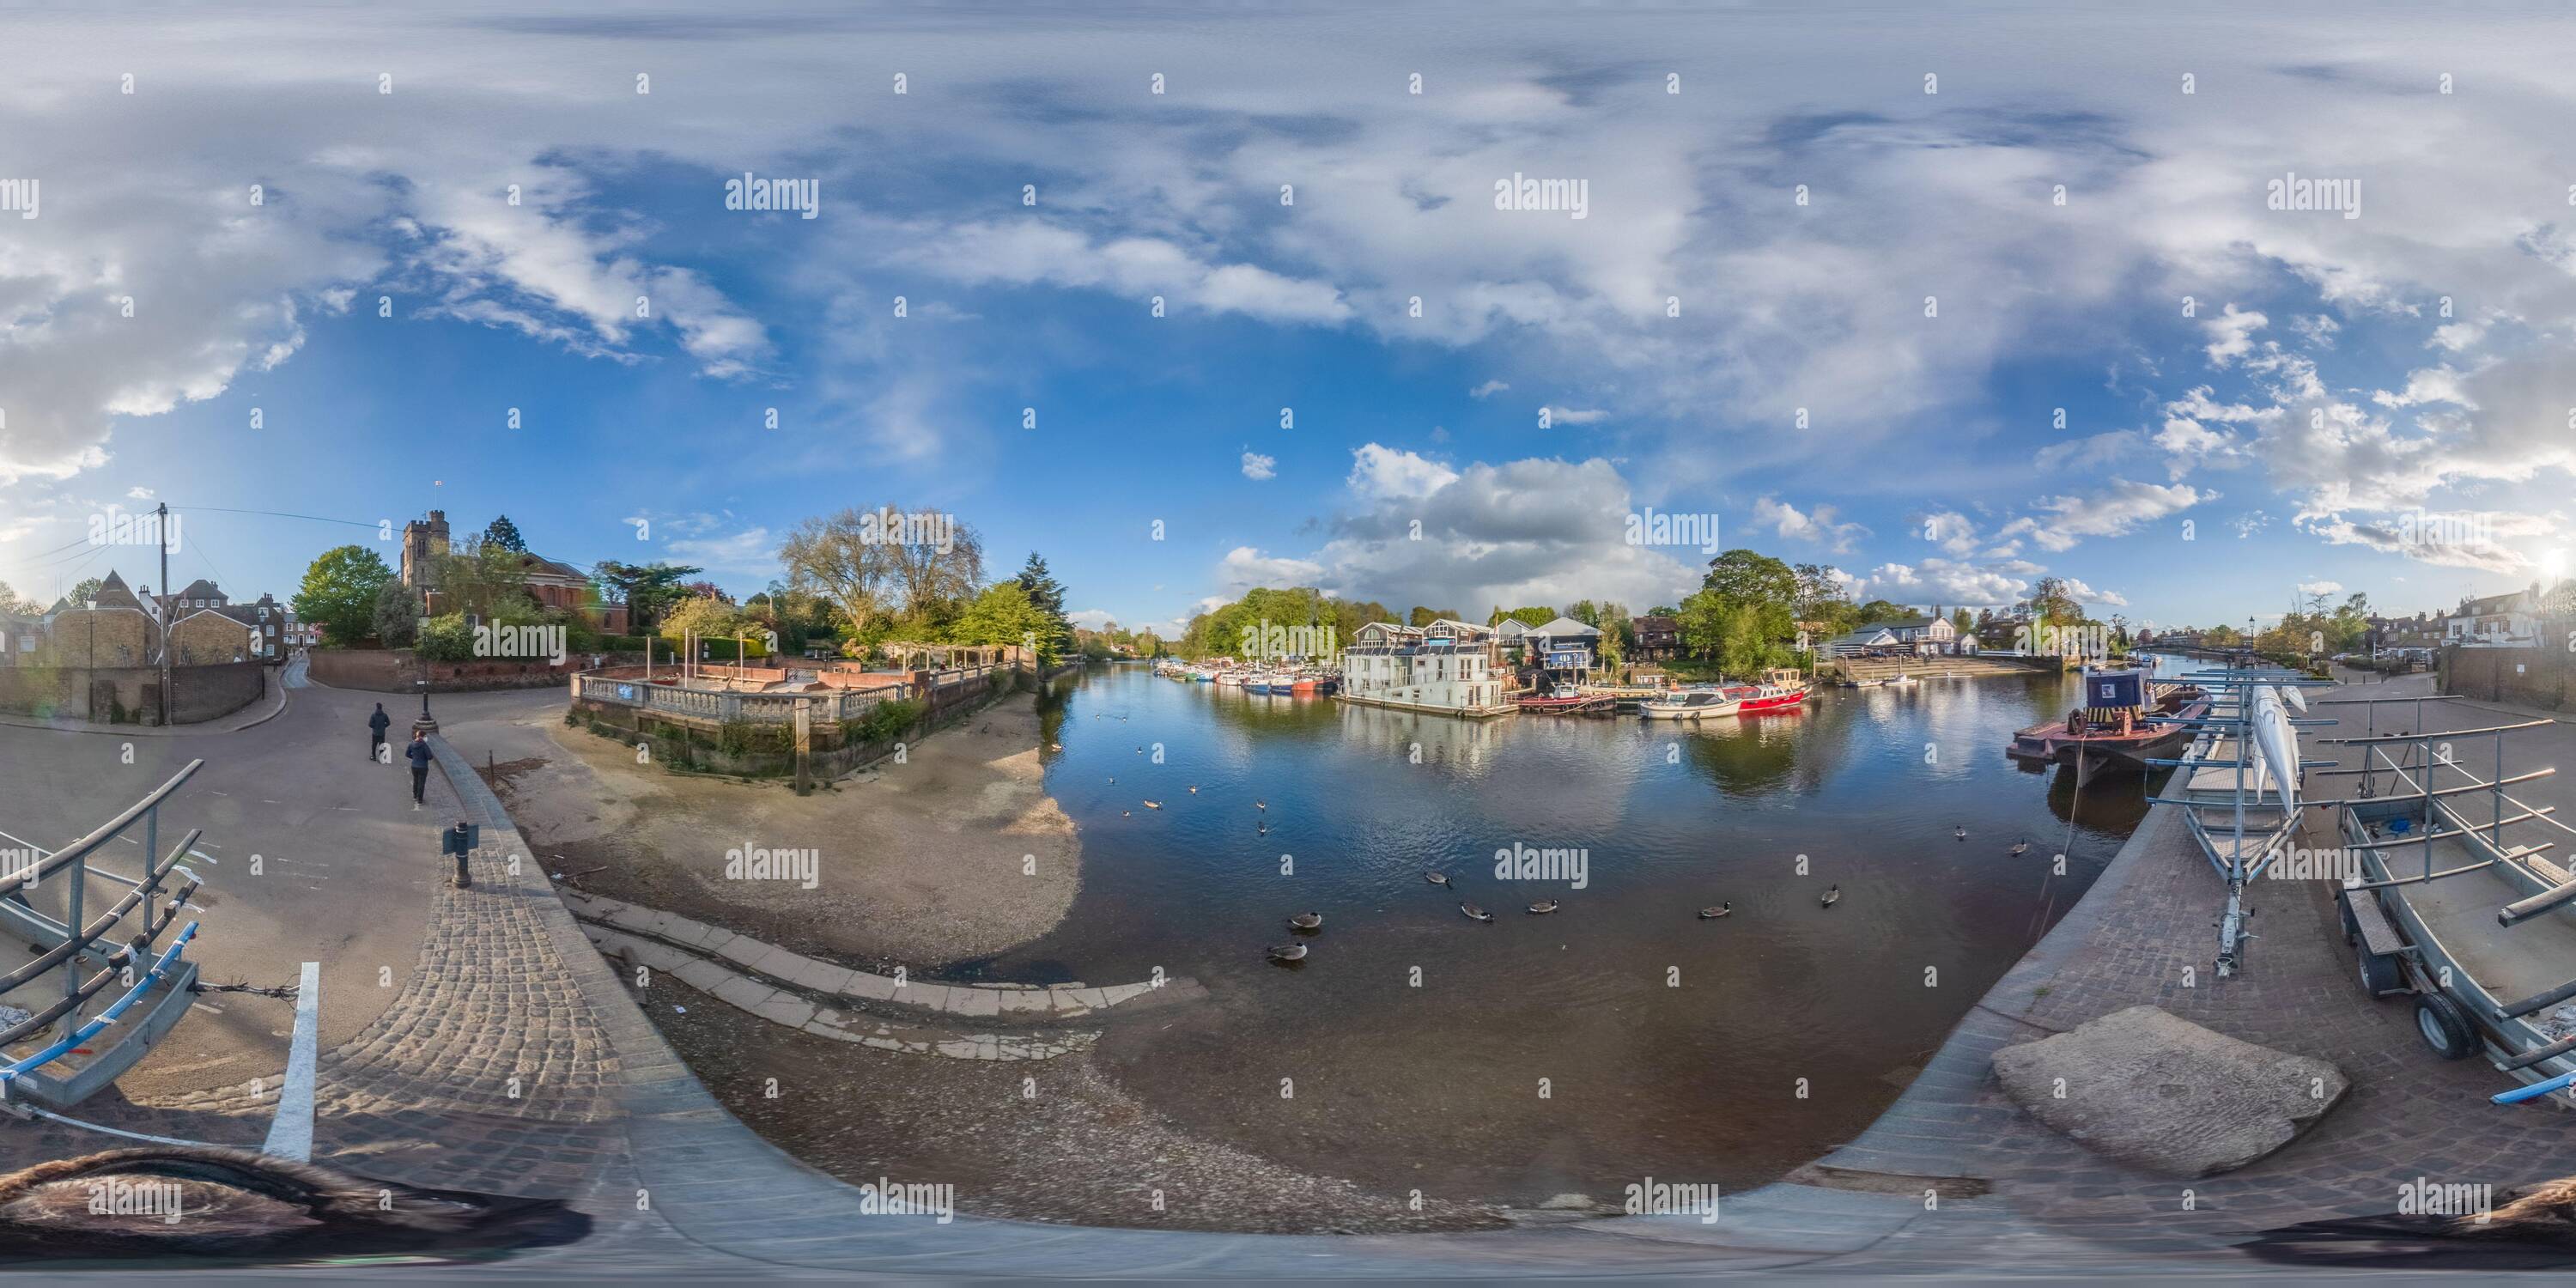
460, 841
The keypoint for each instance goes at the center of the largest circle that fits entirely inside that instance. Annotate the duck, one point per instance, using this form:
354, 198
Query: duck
2020, 847
1543, 907
1712, 914
1475, 913
1962, 833
1288, 952
1436, 878
1259, 804
1153, 804
1055, 746
1307, 921
1126, 813
1831, 897
1194, 789
1261, 829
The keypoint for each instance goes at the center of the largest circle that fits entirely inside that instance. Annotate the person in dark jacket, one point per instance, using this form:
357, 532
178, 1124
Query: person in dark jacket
376, 726
418, 754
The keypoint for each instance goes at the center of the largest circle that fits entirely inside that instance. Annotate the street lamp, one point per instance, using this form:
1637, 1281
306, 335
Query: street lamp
426, 723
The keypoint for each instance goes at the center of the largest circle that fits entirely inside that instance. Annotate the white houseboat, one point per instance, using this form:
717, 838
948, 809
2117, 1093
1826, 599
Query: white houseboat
1446, 668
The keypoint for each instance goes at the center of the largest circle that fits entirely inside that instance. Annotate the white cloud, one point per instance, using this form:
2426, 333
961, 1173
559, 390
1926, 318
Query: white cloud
2231, 334
1487, 389
750, 554
1386, 473
1245, 567
2112, 511
1092, 619
1945, 582
2320, 588
1258, 466
1576, 415
1816, 527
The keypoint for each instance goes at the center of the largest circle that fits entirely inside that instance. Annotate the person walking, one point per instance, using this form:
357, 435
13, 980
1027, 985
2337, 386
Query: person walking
418, 754
376, 726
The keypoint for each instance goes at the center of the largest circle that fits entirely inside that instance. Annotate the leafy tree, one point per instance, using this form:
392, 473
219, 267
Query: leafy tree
1966, 624
1047, 597
11, 602
1823, 600
446, 638
396, 616
1882, 610
87, 590
1537, 615
339, 592
648, 589
707, 618
485, 580
1586, 612
1004, 614
1426, 616
505, 534
2052, 604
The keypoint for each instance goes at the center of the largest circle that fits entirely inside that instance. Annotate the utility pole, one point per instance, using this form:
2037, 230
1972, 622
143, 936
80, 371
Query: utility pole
162, 530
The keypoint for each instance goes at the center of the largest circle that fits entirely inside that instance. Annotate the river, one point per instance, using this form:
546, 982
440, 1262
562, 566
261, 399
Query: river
1618, 1038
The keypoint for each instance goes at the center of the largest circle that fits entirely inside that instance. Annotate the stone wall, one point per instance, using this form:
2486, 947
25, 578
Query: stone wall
2526, 677
130, 694
104, 637
208, 639
395, 671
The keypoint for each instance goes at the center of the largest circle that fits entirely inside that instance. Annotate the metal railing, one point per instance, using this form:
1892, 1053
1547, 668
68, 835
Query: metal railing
75, 941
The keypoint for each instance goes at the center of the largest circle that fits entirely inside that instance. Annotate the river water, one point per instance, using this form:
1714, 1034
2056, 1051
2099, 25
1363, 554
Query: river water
1619, 1038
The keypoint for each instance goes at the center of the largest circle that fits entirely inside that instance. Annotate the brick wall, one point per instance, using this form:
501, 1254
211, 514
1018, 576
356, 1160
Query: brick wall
130, 695
207, 639
105, 637
2528, 677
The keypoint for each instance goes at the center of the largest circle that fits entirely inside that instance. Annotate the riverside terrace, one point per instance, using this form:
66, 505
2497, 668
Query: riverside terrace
779, 721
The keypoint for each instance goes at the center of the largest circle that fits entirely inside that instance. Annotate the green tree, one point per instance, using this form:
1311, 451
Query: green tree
505, 534
1426, 616
2052, 603
648, 589
339, 592
1004, 614
87, 590
1881, 610
1536, 615
1586, 612
11, 602
1047, 596
1960, 619
396, 616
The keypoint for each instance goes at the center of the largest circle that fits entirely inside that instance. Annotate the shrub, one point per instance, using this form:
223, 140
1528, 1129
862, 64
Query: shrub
446, 639
741, 736
888, 719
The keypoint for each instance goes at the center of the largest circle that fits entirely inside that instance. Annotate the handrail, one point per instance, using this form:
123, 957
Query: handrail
73, 943
106, 832
104, 1018
2443, 733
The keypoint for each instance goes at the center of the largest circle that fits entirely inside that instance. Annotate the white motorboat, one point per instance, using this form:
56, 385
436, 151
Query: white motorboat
1692, 704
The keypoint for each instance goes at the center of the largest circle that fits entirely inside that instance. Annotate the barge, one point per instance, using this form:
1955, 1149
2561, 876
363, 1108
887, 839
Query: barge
2127, 722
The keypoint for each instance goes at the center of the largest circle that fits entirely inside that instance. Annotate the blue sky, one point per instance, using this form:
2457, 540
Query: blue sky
2256, 399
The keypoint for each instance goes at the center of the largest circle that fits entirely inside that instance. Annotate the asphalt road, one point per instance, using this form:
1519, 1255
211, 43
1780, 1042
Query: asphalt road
316, 855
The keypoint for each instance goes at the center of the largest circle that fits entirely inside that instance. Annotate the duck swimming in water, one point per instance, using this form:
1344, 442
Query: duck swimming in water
1288, 953
1194, 789
1307, 921
2020, 847
1475, 913
1962, 833
1260, 804
1543, 906
1153, 804
1831, 897
1712, 914
1436, 878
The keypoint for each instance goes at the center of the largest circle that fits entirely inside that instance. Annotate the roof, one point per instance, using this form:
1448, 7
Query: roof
2489, 606
1566, 626
1903, 624
200, 589
1864, 635
1650, 622
1511, 626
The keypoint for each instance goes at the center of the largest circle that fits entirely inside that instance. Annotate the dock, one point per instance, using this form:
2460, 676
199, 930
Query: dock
1425, 708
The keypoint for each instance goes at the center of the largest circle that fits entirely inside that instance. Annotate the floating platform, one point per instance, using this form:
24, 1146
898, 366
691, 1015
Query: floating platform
1425, 708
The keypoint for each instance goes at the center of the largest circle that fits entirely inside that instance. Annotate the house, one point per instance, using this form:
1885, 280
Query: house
549, 583
115, 628
1918, 635
1446, 667
2510, 620
1658, 638
1565, 645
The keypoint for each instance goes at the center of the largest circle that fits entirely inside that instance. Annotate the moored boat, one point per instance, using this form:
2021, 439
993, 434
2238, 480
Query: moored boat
1691, 704
2128, 720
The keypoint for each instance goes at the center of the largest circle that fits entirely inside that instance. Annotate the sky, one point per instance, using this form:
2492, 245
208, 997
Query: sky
2200, 310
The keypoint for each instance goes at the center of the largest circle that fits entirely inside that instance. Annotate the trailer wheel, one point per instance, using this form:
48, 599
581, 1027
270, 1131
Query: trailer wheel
2380, 974
2444, 1028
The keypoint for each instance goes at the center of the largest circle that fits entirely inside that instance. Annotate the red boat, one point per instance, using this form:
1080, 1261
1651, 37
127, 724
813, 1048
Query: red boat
1781, 690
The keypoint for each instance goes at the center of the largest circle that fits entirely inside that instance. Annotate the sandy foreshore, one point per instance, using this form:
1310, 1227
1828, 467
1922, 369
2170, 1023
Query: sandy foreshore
956, 853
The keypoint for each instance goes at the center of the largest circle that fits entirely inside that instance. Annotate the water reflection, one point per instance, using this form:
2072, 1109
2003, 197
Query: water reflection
1419, 1041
